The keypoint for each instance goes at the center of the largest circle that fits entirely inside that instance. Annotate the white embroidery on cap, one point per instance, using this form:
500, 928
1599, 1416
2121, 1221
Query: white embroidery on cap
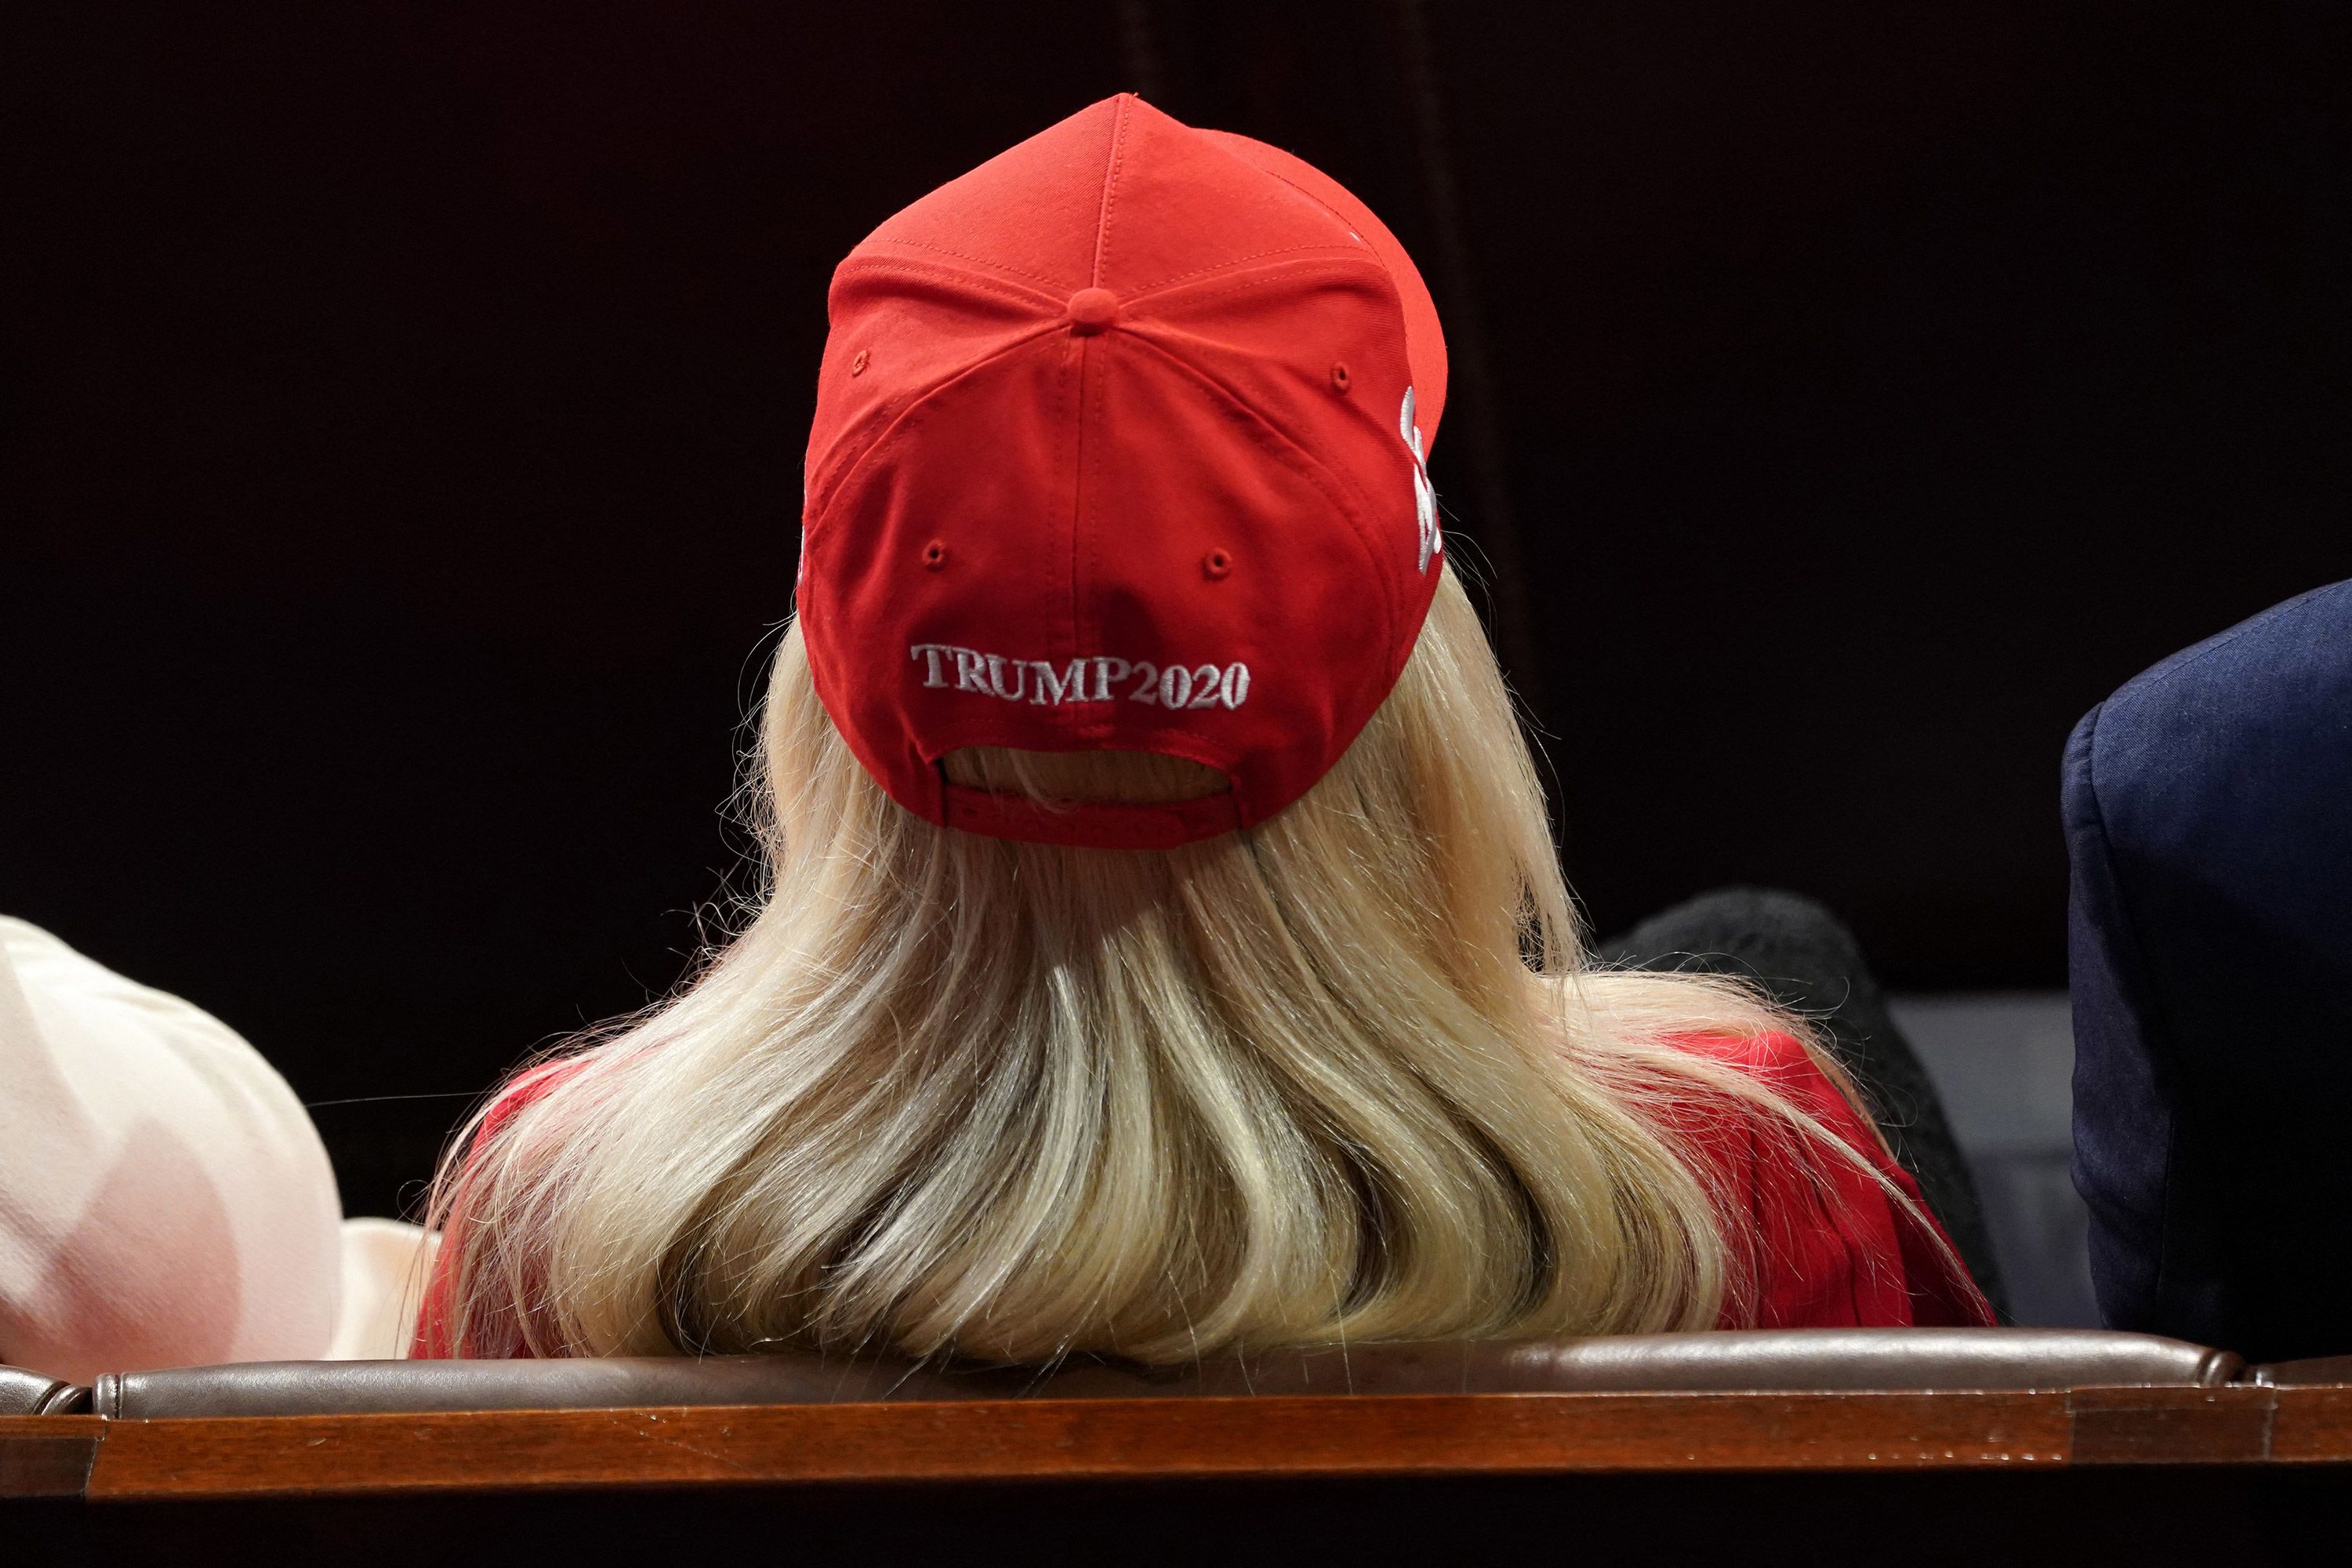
1100, 679
1425, 494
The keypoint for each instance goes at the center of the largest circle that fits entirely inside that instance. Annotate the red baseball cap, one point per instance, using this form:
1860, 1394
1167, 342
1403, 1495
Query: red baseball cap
1120, 446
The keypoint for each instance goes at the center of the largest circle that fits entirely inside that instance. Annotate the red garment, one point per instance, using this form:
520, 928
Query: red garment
1826, 1247
435, 1338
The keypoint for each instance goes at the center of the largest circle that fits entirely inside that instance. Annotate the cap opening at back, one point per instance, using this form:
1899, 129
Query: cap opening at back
1144, 800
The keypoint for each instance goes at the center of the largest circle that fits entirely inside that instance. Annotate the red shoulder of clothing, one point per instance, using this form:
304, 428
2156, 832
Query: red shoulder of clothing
1828, 1248
435, 1338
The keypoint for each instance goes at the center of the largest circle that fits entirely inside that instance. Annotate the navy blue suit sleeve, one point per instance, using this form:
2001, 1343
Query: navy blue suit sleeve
2123, 1126
2207, 807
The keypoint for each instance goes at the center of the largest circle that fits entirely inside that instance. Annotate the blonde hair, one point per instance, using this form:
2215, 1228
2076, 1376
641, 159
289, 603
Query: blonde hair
1341, 1077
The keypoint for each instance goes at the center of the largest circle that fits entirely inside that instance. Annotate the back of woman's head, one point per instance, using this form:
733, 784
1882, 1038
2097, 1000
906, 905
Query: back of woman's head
1161, 946
953, 1094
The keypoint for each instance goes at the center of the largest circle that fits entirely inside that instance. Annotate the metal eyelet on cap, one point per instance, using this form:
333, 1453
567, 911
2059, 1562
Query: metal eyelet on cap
1216, 563
935, 555
1339, 377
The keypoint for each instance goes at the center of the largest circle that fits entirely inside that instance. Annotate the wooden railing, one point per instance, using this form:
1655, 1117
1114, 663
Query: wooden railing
1141, 1439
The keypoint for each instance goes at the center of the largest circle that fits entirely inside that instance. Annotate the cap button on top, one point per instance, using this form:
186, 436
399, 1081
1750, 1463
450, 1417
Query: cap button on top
1092, 309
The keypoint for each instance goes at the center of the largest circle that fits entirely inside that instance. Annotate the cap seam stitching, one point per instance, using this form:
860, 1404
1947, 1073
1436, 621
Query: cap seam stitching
899, 423
848, 451
1270, 276
860, 264
963, 256
1109, 191
1345, 222
1087, 474
1090, 360
1293, 454
1045, 557
1145, 289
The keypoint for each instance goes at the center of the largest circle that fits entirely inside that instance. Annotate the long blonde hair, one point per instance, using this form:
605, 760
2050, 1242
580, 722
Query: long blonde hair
1341, 1077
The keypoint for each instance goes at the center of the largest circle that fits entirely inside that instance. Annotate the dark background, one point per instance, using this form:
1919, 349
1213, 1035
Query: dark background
404, 404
